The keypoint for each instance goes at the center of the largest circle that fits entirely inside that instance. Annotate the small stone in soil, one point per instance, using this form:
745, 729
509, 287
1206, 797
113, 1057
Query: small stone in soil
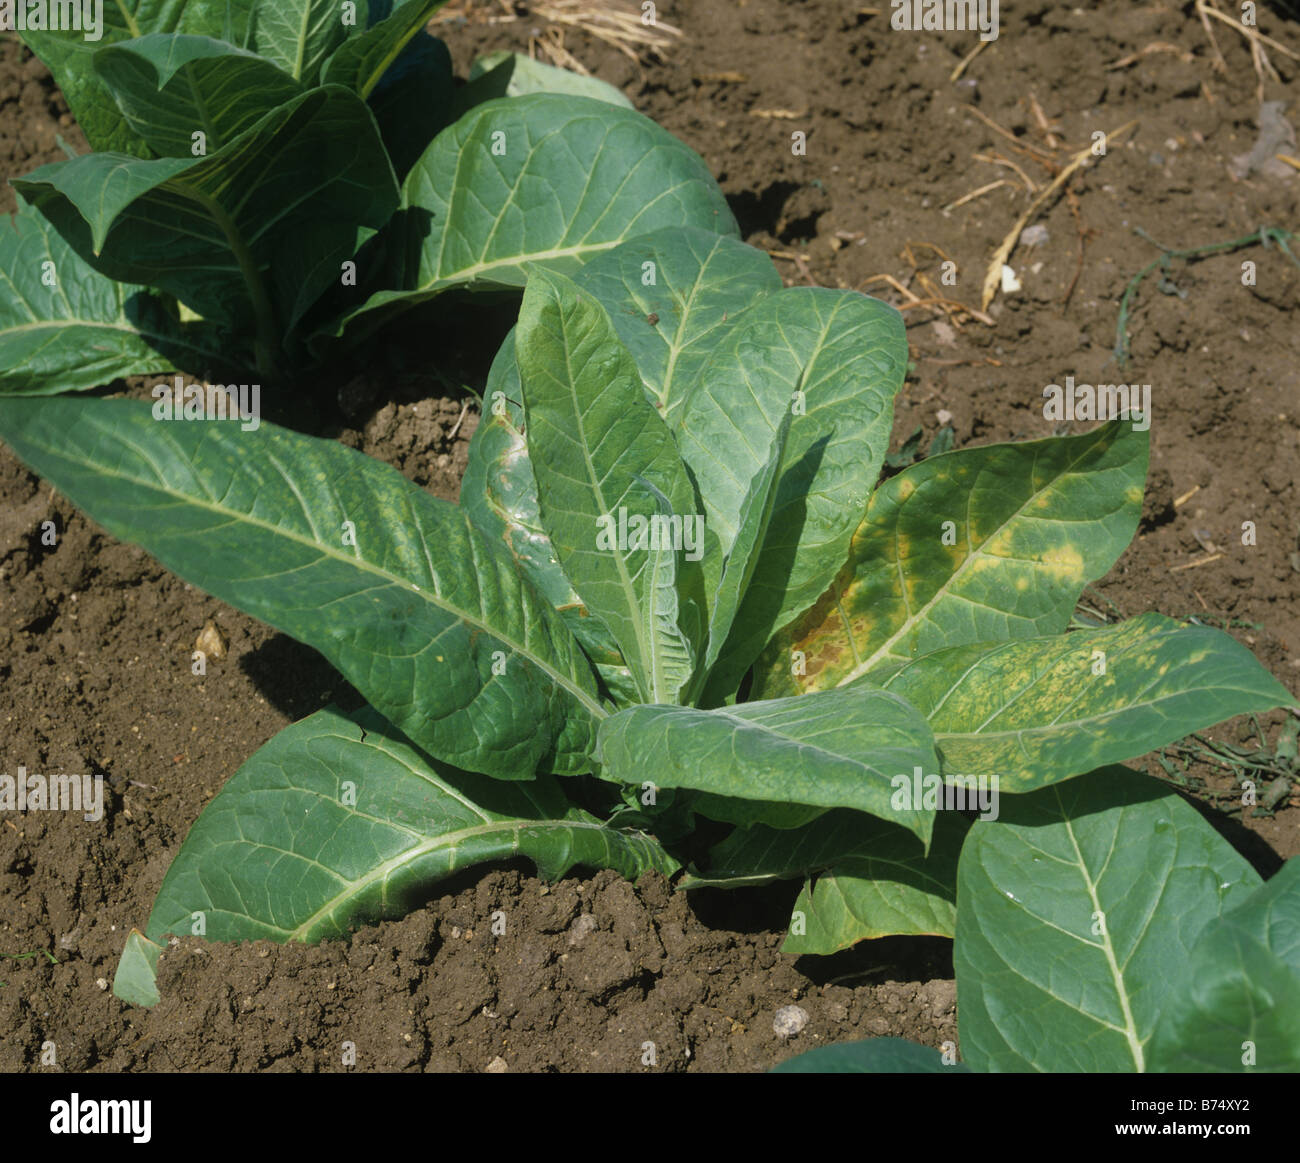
789, 1021
583, 925
211, 641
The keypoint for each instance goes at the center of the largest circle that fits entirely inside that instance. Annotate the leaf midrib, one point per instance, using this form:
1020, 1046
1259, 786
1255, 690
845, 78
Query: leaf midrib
647, 669
131, 24
1070, 725
803, 746
1129, 1028
450, 840
301, 50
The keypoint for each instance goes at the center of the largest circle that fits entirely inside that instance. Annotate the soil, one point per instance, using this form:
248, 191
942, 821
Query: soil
95, 637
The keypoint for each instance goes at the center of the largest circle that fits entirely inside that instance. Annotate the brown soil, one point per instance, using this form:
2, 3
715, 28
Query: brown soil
95, 638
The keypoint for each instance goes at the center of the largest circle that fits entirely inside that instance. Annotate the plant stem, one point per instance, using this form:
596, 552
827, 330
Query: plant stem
267, 339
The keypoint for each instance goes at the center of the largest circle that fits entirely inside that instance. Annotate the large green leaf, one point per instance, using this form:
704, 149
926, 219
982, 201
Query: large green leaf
499, 494
865, 877
213, 231
70, 57
872, 1056
737, 571
338, 821
422, 614
834, 359
979, 545
672, 296
84, 196
605, 461
1236, 1002
734, 642
168, 87
72, 61
1073, 911
499, 488
63, 326
833, 749
544, 178
1038, 710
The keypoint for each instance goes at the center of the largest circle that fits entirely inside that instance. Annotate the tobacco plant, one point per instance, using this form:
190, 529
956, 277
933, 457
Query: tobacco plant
674, 590
274, 179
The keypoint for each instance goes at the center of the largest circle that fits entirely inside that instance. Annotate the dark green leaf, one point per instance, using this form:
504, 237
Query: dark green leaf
301, 35
169, 87
942, 441
544, 178
223, 233
363, 59
64, 327
339, 821
865, 877
414, 100
834, 749
421, 613
606, 467
1073, 910
1235, 1004
907, 452
70, 57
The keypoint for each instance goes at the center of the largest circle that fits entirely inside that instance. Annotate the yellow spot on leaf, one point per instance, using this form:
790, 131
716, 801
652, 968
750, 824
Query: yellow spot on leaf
1063, 561
1000, 545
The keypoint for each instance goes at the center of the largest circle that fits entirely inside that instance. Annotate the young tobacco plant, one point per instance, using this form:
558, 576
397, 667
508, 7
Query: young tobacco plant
273, 179
672, 504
